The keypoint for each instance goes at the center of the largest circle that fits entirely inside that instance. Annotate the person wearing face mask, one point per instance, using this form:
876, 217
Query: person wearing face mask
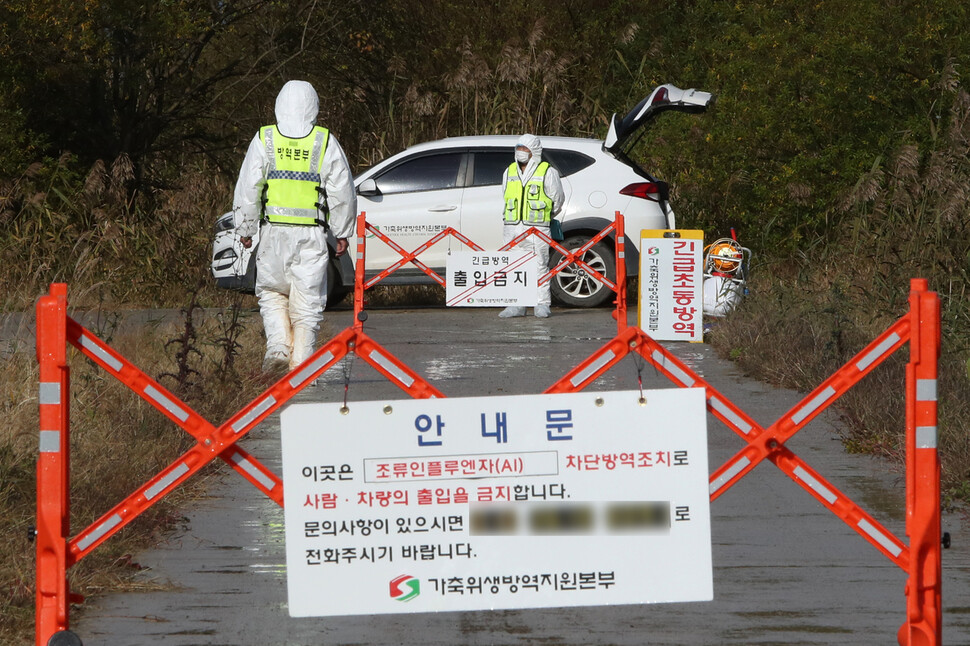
533, 197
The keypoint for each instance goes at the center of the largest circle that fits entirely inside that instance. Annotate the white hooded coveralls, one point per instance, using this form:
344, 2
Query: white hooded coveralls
552, 185
292, 260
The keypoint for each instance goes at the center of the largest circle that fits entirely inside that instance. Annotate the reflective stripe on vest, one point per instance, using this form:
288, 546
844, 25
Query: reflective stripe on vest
528, 203
293, 176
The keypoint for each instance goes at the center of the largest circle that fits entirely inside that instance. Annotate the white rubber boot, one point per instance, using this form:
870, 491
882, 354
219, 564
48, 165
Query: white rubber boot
276, 326
510, 312
304, 342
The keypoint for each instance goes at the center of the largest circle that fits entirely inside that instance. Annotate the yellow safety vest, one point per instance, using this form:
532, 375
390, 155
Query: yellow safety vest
293, 193
529, 203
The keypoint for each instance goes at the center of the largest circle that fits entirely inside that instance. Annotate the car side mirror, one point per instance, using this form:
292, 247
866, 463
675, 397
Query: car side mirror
368, 187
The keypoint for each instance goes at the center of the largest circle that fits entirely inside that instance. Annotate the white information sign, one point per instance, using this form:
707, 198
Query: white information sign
491, 279
497, 502
672, 284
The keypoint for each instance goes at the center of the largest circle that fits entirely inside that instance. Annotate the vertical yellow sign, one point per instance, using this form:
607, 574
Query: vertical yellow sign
671, 298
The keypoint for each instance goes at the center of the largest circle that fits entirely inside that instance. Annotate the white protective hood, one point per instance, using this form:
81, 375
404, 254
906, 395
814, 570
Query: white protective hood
533, 144
297, 106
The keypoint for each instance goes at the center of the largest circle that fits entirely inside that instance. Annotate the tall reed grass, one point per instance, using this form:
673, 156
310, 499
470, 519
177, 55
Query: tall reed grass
112, 243
525, 86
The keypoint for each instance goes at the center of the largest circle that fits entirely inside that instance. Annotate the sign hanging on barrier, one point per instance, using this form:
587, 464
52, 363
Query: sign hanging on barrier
672, 284
497, 502
491, 279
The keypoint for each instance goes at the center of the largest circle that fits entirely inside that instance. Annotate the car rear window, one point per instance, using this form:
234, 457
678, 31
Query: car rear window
426, 173
566, 162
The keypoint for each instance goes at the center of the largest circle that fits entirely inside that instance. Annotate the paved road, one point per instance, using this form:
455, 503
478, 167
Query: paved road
785, 570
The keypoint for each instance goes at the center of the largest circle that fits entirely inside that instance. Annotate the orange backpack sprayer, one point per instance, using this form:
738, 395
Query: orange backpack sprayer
726, 265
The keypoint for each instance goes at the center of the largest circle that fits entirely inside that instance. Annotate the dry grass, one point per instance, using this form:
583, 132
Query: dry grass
109, 242
795, 331
795, 334
527, 86
112, 432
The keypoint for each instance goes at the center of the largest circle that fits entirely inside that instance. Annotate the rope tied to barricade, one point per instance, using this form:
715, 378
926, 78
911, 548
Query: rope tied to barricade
347, 368
639, 362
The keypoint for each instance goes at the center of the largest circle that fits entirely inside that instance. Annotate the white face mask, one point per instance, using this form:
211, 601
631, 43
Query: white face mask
522, 156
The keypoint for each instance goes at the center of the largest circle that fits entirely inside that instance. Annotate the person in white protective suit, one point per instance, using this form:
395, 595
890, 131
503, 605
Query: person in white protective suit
533, 197
294, 183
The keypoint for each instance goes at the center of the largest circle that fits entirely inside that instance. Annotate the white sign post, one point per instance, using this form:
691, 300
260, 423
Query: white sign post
497, 502
672, 285
491, 279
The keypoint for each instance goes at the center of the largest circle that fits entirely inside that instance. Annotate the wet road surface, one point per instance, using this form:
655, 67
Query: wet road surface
786, 571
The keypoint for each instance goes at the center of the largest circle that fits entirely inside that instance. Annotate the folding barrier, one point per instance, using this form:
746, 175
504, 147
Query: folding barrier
574, 257
921, 559
57, 550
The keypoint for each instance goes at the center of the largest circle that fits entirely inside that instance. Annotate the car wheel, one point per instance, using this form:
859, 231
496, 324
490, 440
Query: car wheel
573, 286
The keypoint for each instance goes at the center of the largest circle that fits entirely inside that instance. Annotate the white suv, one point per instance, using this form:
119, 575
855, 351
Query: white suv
456, 183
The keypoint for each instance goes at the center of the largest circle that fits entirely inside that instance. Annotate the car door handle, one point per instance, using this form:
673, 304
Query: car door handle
442, 208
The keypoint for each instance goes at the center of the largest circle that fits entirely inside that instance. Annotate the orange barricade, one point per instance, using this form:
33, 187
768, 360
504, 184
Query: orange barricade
57, 550
921, 559
568, 257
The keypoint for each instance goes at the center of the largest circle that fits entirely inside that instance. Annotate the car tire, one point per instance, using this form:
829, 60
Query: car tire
573, 286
